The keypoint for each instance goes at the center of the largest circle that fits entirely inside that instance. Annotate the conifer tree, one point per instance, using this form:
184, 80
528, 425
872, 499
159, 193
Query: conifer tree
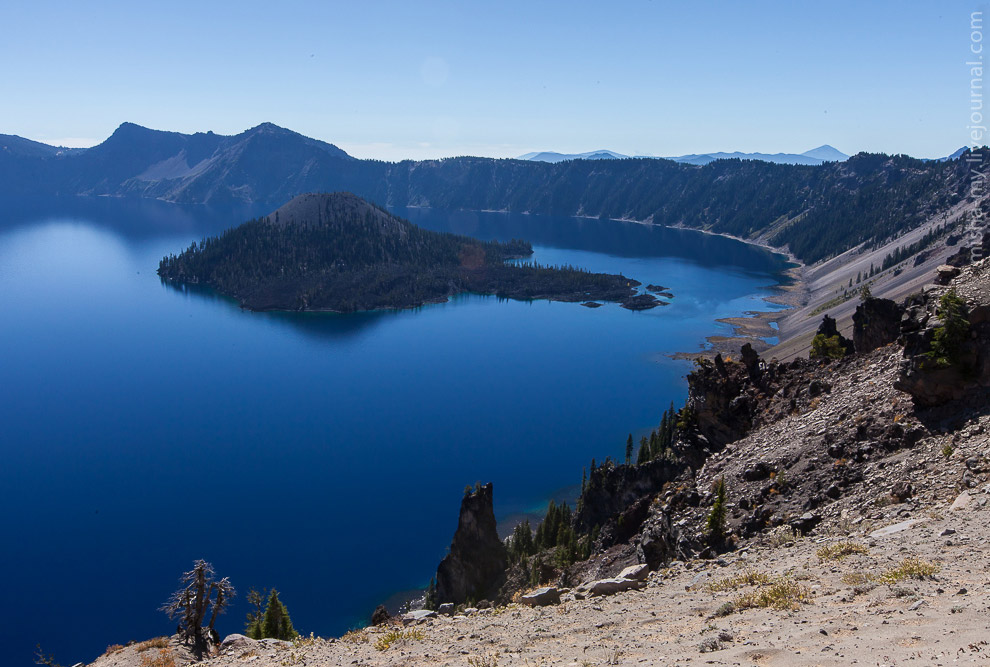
644, 451
716, 518
277, 623
521, 544
255, 617
629, 449
948, 339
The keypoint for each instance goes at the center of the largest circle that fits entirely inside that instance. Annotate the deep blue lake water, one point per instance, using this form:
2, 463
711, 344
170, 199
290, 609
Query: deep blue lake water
144, 427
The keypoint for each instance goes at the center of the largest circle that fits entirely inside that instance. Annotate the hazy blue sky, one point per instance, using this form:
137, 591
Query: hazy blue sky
405, 79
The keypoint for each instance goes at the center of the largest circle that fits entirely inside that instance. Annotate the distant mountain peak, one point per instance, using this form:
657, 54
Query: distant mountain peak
826, 153
815, 156
128, 131
955, 155
268, 132
551, 156
129, 128
270, 128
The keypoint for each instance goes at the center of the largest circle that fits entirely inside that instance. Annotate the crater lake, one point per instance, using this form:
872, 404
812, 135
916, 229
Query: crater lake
325, 455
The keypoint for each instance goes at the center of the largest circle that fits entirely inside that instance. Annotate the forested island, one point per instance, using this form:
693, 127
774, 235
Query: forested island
338, 252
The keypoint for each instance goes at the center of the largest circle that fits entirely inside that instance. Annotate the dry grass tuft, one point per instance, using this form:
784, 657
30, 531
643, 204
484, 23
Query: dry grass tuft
840, 550
302, 641
355, 637
782, 535
855, 578
163, 658
781, 594
748, 578
397, 637
157, 642
909, 568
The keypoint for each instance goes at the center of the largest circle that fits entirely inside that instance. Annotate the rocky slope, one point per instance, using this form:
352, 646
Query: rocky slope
856, 526
832, 285
935, 620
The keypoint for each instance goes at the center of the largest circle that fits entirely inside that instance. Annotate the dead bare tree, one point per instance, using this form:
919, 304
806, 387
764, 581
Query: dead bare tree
47, 659
200, 591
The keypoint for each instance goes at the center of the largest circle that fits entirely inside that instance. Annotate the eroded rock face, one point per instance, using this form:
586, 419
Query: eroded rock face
613, 490
475, 567
929, 382
660, 542
968, 254
722, 410
726, 399
876, 322
380, 615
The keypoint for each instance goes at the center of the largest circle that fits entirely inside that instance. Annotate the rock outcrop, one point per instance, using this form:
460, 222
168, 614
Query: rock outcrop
945, 273
613, 490
720, 407
968, 254
475, 567
726, 400
876, 322
660, 543
237, 644
932, 379
418, 616
380, 616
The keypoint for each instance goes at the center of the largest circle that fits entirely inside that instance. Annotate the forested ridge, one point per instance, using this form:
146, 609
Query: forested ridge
818, 211
338, 252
